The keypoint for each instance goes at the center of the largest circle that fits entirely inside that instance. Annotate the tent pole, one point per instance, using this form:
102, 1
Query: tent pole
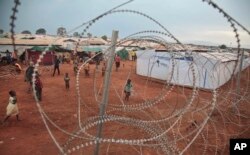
104, 101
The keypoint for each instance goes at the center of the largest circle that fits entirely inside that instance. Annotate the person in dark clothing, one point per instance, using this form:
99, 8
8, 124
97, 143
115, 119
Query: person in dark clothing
28, 75
38, 88
66, 80
117, 62
22, 58
8, 57
63, 58
127, 89
56, 66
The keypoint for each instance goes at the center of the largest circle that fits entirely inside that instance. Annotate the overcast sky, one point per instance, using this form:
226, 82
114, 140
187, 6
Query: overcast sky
191, 21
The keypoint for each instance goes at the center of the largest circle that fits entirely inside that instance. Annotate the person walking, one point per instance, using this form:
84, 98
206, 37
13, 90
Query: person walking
127, 89
117, 62
56, 66
75, 67
28, 76
86, 69
133, 55
12, 108
38, 88
66, 80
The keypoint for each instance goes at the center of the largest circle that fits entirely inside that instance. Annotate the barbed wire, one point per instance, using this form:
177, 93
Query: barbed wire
189, 124
12, 23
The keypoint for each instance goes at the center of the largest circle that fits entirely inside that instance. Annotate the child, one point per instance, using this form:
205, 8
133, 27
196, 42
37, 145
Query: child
66, 79
127, 89
12, 108
75, 67
86, 69
38, 88
117, 62
18, 68
28, 76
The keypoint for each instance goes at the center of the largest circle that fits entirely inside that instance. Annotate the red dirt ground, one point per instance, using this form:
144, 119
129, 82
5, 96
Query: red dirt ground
30, 136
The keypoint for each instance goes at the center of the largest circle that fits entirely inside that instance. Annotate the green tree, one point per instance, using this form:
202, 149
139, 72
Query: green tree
89, 35
61, 31
222, 46
104, 37
26, 32
41, 31
76, 34
1, 31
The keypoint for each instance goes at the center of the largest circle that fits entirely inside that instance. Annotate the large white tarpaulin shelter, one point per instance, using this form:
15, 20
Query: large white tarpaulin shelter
204, 70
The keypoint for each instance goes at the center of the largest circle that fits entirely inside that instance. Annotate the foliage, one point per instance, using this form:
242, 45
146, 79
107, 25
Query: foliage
89, 35
41, 31
104, 37
26, 32
76, 34
222, 46
61, 31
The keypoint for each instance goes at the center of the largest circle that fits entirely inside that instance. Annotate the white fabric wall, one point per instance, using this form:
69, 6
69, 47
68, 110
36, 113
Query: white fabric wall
210, 73
20, 49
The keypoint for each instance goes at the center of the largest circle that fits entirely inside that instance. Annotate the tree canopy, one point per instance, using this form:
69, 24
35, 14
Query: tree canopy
1, 31
89, 35
61, 31
222, 46
76, 34
104, 37
26, 32
41, 31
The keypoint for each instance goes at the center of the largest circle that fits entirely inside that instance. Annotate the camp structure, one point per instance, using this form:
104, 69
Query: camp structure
93, 50
123, 53
33, 54
204, 70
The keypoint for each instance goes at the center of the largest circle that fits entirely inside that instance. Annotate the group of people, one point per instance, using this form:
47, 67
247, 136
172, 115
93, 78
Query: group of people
11, 57
86, 67
12, 108
38, 83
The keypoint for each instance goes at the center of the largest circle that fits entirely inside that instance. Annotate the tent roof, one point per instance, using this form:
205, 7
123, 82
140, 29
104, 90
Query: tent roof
52, 48
223, 57
92, 49
40, 49
69, 40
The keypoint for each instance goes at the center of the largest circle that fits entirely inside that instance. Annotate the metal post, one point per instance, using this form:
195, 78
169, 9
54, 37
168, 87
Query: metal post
239, 73
105, 93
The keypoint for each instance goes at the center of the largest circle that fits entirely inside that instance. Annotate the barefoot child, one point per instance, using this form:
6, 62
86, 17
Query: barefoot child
12, 108
38, 87
75, 67
66, 79
127, 89
117, 62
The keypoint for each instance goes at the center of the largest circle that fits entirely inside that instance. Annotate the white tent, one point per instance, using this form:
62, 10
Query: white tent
20, 49
204, 70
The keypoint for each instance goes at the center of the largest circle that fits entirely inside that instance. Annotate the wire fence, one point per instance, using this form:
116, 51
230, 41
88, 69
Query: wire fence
193, 118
